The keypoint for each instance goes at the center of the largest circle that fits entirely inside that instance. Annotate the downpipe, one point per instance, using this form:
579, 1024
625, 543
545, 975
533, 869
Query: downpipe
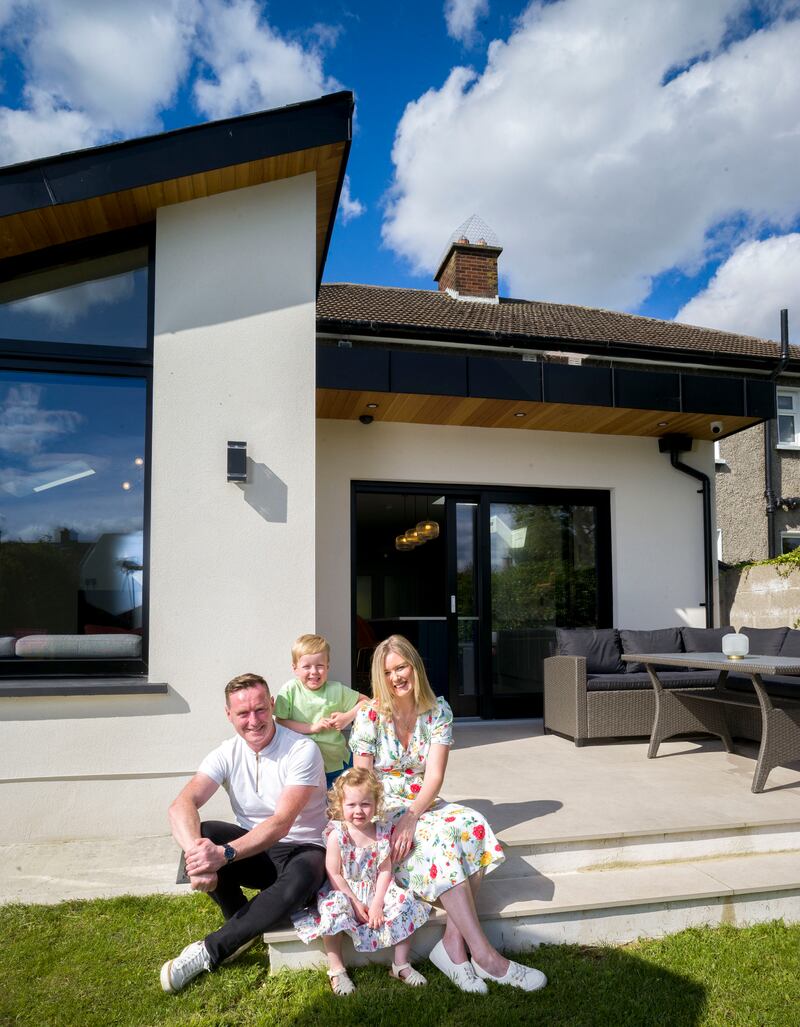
772, 502
674, 445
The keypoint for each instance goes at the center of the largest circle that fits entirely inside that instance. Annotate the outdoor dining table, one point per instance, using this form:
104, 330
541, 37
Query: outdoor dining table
706, 707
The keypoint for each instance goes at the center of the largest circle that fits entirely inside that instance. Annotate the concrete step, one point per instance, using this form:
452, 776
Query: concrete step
565, 854
602, 906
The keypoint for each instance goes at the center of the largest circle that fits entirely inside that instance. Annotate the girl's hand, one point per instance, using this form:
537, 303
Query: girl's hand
403, 836
375, 916
323, 724
361, 911
338, 720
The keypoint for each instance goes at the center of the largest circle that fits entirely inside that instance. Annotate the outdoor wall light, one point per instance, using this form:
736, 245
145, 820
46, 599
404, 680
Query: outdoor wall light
237, 461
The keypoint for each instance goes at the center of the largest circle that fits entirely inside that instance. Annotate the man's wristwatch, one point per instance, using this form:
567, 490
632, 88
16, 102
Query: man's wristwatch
229, 853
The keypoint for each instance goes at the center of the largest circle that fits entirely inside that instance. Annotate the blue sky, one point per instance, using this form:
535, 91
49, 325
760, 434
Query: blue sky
639, 156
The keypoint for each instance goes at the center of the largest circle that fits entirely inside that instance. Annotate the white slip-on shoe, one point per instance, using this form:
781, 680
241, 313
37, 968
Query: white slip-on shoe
413, 977
518, 976
176, 973
461, 974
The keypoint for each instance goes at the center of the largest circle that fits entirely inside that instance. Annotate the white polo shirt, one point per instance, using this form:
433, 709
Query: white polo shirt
255, 781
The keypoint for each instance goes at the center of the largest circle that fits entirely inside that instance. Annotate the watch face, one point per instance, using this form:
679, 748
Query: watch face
229, 852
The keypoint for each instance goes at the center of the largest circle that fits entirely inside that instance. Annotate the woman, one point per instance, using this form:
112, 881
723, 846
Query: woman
442, 850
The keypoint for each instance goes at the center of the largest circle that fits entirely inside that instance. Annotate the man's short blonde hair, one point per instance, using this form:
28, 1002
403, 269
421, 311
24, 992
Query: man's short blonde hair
243, 681
310, 645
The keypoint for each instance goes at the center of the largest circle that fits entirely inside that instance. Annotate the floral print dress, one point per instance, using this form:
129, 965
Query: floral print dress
403, 912
451, 842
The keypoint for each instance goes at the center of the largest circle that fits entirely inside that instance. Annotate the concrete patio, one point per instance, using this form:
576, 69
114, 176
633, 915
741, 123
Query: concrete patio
602, 843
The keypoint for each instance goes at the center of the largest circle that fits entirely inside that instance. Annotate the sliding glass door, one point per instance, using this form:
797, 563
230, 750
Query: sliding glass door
482, 594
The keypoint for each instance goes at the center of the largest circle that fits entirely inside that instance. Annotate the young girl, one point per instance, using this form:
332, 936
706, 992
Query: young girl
365, 901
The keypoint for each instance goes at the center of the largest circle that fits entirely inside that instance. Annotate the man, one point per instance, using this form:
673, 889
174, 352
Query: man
276, 784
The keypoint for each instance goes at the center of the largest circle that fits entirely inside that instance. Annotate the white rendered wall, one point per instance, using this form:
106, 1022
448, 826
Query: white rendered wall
232, 568
656, 512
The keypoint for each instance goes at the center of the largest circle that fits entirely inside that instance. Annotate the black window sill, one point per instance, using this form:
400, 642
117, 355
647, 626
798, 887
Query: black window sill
19, 687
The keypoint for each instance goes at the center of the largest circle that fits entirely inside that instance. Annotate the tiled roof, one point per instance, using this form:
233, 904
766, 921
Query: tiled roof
380, 309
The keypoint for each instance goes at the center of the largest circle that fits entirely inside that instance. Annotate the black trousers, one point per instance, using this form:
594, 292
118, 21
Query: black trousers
288, 876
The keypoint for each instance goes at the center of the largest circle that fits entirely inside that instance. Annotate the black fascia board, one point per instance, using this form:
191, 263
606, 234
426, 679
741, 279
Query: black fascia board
85, 174
586, 347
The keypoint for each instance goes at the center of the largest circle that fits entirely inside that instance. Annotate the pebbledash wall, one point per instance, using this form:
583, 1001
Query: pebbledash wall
656, 514
232, 576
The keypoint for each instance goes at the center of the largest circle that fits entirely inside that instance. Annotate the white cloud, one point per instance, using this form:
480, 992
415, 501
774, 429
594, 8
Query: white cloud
750, 288
25, 427
349, 207
63, 306
462, 16
252, 66
595, 174
92, 73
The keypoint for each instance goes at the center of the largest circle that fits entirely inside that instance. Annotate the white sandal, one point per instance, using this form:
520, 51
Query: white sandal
414, 978
340, 982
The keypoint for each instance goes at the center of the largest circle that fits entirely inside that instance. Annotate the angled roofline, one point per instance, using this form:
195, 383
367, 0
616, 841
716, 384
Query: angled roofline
83, 175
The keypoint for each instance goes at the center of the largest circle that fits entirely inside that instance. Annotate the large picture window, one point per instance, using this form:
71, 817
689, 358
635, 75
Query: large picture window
73, 465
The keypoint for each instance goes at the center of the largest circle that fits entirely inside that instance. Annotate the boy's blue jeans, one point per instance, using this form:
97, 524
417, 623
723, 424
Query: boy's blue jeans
330, 778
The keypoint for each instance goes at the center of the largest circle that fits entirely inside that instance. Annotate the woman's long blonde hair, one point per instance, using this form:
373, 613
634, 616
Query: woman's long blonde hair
423, 693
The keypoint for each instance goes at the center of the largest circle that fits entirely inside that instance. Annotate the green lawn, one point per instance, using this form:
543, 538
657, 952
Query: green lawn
97, 963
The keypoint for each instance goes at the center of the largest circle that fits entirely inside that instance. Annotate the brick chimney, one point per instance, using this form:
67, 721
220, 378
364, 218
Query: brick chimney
468, 268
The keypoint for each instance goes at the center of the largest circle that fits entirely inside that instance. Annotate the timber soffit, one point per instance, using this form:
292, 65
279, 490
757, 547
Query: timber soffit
72, 196
427, 315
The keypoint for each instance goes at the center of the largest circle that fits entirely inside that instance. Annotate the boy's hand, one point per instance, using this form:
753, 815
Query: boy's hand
323, 724
338, 720
361, 911
375, 916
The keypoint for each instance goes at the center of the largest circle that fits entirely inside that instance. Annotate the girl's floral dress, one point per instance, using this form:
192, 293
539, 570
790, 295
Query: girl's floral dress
451, 842
403, 912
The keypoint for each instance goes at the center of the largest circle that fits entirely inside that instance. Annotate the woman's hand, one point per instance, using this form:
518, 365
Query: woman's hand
375, 916
403, 836
360, 910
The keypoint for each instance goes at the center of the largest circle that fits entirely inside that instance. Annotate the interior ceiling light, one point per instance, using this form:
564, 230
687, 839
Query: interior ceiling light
427, 529
63, 481
412, 536
402, 543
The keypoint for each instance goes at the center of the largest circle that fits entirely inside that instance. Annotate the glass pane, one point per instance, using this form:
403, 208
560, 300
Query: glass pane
466, 598
71, 516
99, 302
544, 575
785, 402
789, 543
401, 591
786, 429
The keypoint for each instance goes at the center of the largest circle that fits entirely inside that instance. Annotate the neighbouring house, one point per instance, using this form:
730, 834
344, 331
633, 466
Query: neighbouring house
206, 454
758, 479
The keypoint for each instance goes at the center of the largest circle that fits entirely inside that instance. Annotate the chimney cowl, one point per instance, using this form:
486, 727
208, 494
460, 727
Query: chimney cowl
468, 267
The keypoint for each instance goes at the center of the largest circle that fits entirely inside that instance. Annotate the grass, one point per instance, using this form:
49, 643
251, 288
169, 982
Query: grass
96, 963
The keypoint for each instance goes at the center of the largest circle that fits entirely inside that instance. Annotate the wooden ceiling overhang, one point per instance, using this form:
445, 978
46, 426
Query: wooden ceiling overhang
75, 196
418, 387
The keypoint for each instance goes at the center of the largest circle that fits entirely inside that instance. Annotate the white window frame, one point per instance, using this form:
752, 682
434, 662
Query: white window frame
794, 395
789, 534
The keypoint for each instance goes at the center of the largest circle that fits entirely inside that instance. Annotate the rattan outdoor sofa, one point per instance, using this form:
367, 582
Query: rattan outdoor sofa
590, 694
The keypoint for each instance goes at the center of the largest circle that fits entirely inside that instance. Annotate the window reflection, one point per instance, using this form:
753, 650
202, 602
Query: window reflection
101, 302
71, 516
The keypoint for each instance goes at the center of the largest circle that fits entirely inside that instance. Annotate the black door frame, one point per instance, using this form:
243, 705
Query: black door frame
489, 706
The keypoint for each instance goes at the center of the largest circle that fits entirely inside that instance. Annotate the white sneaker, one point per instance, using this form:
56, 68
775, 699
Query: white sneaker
177, 972
518, 976
461, 974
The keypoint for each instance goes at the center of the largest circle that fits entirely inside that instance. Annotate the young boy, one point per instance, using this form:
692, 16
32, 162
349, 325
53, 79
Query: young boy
312, 705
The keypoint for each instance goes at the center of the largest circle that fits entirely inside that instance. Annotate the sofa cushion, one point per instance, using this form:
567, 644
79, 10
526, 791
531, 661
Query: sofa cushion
765, 641
600, 646
783, 686
7, 643
665, 640
704, 640
791, 644
631, 682
79, 647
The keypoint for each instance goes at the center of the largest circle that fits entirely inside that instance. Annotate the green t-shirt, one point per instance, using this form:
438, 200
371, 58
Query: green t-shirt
296, 702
